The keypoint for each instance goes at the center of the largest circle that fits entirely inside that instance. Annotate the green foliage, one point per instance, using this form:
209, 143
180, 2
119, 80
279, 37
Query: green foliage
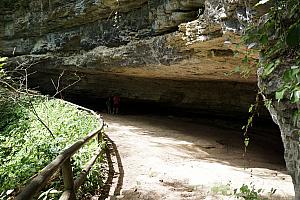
246, 192
253, 111
26, 146
243, 70
270, 67
249, 192
33, 131
277, 34
221, 189
249, 62
95, 180
291, 85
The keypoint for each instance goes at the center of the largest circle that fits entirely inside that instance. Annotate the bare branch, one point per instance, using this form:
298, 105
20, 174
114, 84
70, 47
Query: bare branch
37, 116
11, 87
57, 87
58, 82
22, 79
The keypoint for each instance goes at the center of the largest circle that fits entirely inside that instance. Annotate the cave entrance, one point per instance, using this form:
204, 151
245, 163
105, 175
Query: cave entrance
265, 139
215, 103
184, 125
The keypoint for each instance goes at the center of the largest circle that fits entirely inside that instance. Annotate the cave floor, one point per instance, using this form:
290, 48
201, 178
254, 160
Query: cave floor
170, 158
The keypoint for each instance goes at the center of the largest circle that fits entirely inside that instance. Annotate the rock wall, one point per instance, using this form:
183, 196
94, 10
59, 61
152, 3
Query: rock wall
283, 114
185, 47
50, 25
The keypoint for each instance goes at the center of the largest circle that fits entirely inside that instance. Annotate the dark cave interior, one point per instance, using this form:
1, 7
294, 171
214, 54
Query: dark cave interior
264, 132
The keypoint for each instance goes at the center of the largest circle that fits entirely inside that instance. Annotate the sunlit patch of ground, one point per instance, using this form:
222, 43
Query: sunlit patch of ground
166, 158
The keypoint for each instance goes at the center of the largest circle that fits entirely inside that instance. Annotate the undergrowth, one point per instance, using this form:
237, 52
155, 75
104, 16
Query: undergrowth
244, 192
27, 145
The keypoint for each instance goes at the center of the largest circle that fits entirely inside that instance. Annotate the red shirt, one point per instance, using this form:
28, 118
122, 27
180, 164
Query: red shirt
116, 100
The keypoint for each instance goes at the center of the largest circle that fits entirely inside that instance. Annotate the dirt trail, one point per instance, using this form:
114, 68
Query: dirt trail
167, 158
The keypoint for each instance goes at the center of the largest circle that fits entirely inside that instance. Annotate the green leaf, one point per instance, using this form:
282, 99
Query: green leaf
246, 142
262, 2
294, 73
293, 10
250, 120
259, 190
251, 108
294, 67
245, 59
268, 103
269, 68
288, 76
263, 39
295, 96
2, 59
277, 62
280, 94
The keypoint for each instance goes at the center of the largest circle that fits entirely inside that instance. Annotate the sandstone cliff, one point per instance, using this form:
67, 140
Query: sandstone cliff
169, 51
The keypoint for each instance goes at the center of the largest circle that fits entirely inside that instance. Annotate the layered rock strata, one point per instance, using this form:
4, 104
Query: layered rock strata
171, 42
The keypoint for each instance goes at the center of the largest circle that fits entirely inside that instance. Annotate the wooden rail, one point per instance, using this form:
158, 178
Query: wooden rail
63, 162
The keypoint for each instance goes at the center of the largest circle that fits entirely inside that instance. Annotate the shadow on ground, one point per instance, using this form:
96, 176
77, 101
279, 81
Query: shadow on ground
200, 141
174, 158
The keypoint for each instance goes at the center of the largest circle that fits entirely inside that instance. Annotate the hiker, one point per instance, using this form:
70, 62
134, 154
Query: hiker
109, 105
116, 104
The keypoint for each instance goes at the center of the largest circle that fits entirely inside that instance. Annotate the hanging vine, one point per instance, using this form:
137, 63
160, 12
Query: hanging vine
277, 35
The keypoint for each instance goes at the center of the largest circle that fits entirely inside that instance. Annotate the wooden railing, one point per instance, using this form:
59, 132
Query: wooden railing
63, 162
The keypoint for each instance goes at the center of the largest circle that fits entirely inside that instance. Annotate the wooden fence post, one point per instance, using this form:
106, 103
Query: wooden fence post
68, 181
63, 161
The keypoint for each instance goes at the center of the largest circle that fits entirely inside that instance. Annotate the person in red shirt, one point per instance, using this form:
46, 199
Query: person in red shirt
116, 104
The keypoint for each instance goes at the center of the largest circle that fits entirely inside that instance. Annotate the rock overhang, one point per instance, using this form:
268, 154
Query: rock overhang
167, 46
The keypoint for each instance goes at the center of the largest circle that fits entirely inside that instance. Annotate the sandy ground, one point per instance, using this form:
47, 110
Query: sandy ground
169, 158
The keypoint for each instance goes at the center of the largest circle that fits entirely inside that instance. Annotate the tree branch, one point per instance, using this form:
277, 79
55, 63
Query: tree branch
37, 116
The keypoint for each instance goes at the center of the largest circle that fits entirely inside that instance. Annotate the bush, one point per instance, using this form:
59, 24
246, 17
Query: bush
27, 145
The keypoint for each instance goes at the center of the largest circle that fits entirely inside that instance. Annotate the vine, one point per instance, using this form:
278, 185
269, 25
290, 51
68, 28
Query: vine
276, 34
253, 110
